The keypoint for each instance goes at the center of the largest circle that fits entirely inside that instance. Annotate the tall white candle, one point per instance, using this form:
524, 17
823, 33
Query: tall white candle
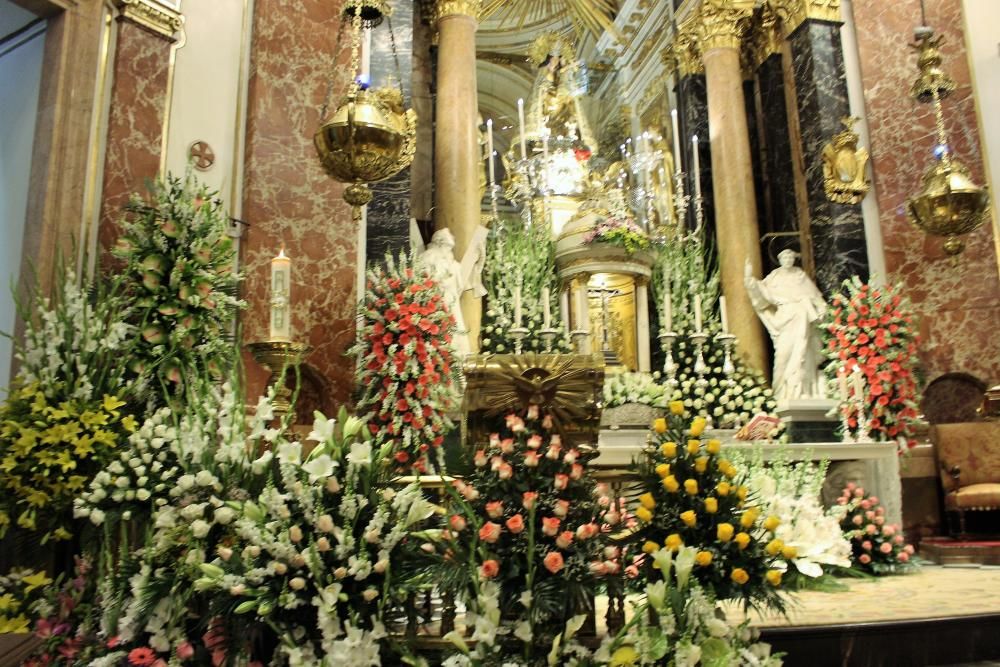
668, 308
489, 147
281, 280
564, 308
696, 171
677, 139
520, 127
517, 304
725, 316
697, 313
546, 309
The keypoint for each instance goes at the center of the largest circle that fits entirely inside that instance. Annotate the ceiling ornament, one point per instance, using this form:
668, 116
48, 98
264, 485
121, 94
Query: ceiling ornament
593, 16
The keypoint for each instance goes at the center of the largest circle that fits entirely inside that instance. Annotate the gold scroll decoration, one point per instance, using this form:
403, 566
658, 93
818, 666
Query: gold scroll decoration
845, 173
568, 387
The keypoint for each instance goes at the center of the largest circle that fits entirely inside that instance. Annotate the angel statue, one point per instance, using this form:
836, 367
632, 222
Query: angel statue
453, 277
790, 306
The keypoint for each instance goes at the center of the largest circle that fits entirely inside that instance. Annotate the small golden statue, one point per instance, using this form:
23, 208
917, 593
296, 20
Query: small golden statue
845, 177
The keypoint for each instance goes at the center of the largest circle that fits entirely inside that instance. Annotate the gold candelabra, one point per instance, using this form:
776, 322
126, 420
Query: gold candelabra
277, 357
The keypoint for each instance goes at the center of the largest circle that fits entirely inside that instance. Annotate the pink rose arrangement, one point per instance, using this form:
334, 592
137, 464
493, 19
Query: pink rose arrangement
877, 547
405, 359
870, 330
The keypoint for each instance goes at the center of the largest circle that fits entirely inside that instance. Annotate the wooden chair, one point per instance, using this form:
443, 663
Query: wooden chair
968, 455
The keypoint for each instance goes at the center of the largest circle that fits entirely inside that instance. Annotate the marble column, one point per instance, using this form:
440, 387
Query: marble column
642, 323
456, 140
837, 230
732, 174
138, 109
388, 215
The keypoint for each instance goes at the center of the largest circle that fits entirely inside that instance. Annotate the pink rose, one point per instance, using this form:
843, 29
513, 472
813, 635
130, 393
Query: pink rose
851, 486
560, 482
612, 552
494, 440
866, 545
576, 472
533, 411
571, 456
866, 504
565, 539
612, 518
902, 557
547, 422
857, 519
507, 445
561, 508
874, 500
489, 569
490, 532
587, 531
871, 529
510, 419
885, 548
553, 562
859, 492
496, 462
555, 439
517, 426
908, 549
550, 526
470, 493
528, 499
879, 520
534, 442
515, 524
553, 453
505, 471
457, 523
869, 515
494, 509
898, 539
889, 530
864, 559
185, 651
480, 458
531, 459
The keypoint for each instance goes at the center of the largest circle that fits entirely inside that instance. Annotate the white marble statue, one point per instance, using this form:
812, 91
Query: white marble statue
791, 308
455, 277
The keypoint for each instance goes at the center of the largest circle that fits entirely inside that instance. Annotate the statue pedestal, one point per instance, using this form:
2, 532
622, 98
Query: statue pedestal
810, 419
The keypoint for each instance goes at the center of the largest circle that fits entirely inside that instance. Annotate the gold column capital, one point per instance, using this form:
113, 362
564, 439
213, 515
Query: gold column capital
151, 15
445, 8
683, 54
723, 23
794, 12
763, 39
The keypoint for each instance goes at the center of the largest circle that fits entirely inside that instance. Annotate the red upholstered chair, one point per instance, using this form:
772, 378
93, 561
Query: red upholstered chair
968, 456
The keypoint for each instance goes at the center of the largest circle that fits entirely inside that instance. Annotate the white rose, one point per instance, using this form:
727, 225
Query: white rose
200, 528
96, 517
185, 482
204, 478
225, 515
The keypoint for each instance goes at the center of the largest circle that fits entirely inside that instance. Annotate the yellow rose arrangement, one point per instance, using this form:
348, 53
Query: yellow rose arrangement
694, 497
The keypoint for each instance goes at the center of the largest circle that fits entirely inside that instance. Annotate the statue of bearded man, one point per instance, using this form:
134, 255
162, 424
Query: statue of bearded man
453, 278
791, 307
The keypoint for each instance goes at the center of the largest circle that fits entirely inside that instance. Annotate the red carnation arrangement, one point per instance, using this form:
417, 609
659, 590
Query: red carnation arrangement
404, 367
870, 330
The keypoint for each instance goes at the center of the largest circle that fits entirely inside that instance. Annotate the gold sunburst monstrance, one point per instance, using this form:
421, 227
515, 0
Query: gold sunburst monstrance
595, 16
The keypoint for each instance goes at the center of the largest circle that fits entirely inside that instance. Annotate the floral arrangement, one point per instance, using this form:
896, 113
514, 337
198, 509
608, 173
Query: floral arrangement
870, 330
178, 265
618, 231
404, 368
527, 535
65, 622
20, 590
678, 624
693, 496
878, 547
642, 388
527, 252
791, 490
62, 419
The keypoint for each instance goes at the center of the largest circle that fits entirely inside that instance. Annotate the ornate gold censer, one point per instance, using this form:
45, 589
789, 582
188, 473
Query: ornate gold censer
949, 204
370, 136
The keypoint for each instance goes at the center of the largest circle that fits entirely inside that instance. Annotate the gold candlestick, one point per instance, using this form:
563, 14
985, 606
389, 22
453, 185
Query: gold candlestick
276, 356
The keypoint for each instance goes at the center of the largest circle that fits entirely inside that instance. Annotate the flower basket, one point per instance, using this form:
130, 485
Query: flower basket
630, 415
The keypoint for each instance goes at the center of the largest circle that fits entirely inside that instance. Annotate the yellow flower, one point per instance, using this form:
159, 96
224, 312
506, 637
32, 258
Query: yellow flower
724, 532
84, 446
739, 575
771, 523
663, 469
14, 626
774, 547
8, 603
76, 482
669, 449
673, 542
722, 488
4, 519
789, 552
741, 492
647, 501
711, 505
689, 518
128, 423
650, 547
644, 514
701, 463
61, 533
773, 577
697, 426
624, 656
111, 404
670, 484
8, 464
91, 419
742, 540
103, 437
749, 517
37, 497
660, 425
27, 520
693, 447
677, 408
713, 446
39, 404
691, 486
703, 558
36, 580
64, 461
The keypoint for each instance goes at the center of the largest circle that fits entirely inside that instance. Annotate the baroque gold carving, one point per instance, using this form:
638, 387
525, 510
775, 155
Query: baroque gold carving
683, 55
794, 12
845, 177
723, 23
764, 38
443, 8
151, 15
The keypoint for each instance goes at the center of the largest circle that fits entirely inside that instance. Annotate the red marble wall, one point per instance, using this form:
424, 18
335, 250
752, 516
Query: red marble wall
135, 121
289, 200
957, 303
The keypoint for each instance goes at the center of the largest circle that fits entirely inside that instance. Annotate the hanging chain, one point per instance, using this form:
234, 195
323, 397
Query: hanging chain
355, 50
395, 58
329, 88
939, 122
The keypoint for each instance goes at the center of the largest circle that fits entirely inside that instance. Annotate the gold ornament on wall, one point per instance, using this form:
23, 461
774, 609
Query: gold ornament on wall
845, 173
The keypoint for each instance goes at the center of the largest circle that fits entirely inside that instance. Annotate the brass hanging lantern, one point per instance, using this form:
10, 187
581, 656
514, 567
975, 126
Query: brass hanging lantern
949, 204
370, 136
